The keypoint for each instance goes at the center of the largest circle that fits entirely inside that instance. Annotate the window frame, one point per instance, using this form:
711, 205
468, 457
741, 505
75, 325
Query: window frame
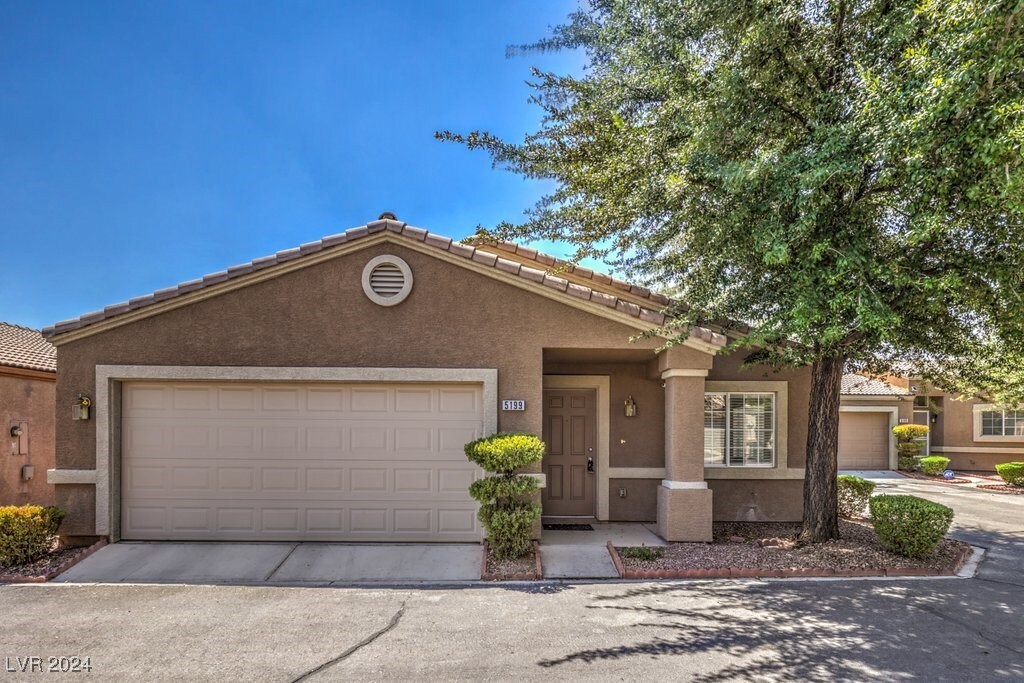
728, 426
979, 414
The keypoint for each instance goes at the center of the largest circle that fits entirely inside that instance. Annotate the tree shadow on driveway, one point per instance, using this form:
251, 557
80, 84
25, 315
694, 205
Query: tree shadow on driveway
952, 629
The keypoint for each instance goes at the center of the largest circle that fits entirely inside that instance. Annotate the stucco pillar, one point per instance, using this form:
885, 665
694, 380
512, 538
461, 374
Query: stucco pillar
684, 499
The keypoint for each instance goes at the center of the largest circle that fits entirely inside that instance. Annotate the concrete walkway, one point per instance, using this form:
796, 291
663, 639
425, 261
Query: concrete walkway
320, 564
584, 554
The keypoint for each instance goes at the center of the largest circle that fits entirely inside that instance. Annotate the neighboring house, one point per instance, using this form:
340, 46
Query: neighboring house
973, 434
326, 393
28, 366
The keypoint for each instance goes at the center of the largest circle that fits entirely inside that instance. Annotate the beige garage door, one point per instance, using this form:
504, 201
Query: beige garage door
330, 462
863, 441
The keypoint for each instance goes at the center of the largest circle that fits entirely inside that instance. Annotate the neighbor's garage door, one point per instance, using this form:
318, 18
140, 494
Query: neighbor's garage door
330, 462
863, 441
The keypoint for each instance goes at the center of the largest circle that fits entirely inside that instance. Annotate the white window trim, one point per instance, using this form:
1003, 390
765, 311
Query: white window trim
728, 425
980, 408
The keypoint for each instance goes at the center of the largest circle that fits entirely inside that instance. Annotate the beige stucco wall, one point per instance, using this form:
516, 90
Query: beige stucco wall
953, 437
26, 399
454, 318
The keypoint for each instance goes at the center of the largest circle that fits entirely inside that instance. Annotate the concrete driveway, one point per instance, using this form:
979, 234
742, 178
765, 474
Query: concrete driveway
710, 631
320, 564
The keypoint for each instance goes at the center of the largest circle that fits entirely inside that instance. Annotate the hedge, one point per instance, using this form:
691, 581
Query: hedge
27, 532
934, 465
854, 493
1012, 472
909, 525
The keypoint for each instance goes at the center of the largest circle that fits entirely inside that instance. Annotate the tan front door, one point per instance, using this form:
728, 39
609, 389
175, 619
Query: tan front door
863, 441
252, 461
571, 461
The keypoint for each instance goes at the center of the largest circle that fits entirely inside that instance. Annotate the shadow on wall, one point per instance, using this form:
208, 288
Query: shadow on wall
952, 629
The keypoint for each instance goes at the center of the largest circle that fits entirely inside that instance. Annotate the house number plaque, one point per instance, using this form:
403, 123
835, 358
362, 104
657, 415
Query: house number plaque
513, 404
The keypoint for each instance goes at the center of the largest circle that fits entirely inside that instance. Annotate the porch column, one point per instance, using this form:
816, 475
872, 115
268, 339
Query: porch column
684, 499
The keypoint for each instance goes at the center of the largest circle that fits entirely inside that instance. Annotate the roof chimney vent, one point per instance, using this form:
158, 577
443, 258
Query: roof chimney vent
387, 215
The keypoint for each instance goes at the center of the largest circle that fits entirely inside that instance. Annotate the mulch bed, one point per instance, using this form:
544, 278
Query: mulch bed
984, 475
56, 562
770, 549
940, 480
1009, 489
526, 568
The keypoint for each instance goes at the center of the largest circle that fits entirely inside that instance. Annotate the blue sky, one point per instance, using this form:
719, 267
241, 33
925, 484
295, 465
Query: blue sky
147, 143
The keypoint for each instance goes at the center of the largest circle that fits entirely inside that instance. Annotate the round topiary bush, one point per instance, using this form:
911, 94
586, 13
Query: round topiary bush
854, 493
27, 532
506, 510
934, 465
908, 446
909, 525
1012, 473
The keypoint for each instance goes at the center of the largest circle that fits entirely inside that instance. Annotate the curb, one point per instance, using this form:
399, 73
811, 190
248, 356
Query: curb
56, 571
756, 573
536, 575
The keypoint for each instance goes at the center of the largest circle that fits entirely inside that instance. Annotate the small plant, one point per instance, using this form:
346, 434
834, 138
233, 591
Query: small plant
643, 552
908, 446
854, 493
27, 532
505, 509
933, 465
909, 525
1012, 473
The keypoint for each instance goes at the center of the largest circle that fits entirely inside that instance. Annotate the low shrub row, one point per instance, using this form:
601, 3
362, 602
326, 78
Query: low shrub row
27, 532
1012, 473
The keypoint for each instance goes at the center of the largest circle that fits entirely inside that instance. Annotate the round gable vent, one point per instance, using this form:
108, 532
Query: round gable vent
387, 280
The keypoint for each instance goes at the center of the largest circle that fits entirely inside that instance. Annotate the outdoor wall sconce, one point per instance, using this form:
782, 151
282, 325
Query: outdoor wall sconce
80, 408
16, 431
630, 406
935, 418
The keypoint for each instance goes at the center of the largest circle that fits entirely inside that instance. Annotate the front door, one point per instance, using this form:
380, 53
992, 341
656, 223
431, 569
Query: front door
570, 462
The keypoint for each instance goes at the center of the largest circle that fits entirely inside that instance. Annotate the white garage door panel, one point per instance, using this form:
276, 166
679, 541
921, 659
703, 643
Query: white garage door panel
298, 462
863, 441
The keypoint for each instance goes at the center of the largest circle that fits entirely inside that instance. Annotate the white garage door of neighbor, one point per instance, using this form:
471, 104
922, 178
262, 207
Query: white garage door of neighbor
298, 462
863, 441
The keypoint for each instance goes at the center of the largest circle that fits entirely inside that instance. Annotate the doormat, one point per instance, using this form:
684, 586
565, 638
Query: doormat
568, 527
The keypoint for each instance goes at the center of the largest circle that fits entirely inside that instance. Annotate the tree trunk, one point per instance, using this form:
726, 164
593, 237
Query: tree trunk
821, 515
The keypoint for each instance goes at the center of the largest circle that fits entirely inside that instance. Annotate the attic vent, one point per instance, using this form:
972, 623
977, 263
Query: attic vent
387, 280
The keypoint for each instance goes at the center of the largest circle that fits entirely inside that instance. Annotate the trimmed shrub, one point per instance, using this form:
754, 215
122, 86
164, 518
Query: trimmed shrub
907, 445
1011, 472
27, 532
933, 465
506, 510
854, 494
909, 525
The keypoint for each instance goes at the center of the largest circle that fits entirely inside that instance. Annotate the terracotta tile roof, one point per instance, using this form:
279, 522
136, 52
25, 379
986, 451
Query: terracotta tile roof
22, 347
859, 385
546, 276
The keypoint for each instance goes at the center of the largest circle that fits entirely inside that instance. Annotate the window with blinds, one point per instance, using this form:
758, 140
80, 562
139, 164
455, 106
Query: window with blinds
739, 429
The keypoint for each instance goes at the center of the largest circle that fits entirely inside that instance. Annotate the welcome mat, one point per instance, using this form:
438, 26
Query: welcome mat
568, 527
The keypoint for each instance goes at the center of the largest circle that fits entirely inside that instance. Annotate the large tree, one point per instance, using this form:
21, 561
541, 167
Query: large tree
844, 176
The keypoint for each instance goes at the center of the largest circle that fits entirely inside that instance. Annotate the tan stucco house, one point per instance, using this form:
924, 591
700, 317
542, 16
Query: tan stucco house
326, 393
975, 435
28, 380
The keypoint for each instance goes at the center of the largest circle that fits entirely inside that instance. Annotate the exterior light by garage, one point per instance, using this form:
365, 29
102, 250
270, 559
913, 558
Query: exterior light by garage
80, 408
387, 280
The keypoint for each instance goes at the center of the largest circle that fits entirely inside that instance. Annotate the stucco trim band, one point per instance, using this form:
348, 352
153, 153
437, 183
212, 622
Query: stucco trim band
980, 450
69, 476
669, 484
107, 375
602, 383
636, 472
684, 372
894, 416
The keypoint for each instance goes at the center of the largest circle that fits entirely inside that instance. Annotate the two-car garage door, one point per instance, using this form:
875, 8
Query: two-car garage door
287, 461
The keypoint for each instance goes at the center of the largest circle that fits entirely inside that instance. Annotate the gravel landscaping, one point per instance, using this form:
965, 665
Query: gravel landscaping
44, 566
772, 547
518, 569
1003, 488
940, 480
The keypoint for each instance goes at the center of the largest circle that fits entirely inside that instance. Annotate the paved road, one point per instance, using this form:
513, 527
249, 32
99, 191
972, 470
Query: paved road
934, 630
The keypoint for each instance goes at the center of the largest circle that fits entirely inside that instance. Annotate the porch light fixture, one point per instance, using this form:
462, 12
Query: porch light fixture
15, 431
630, 406
80, 408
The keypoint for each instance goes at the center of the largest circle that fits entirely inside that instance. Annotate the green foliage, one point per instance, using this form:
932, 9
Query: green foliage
505, 452
907, 463
908, 432
854, 493
1012, 472
909, 525
844, 176
505, 509
642, 552
27, 532
933, 465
